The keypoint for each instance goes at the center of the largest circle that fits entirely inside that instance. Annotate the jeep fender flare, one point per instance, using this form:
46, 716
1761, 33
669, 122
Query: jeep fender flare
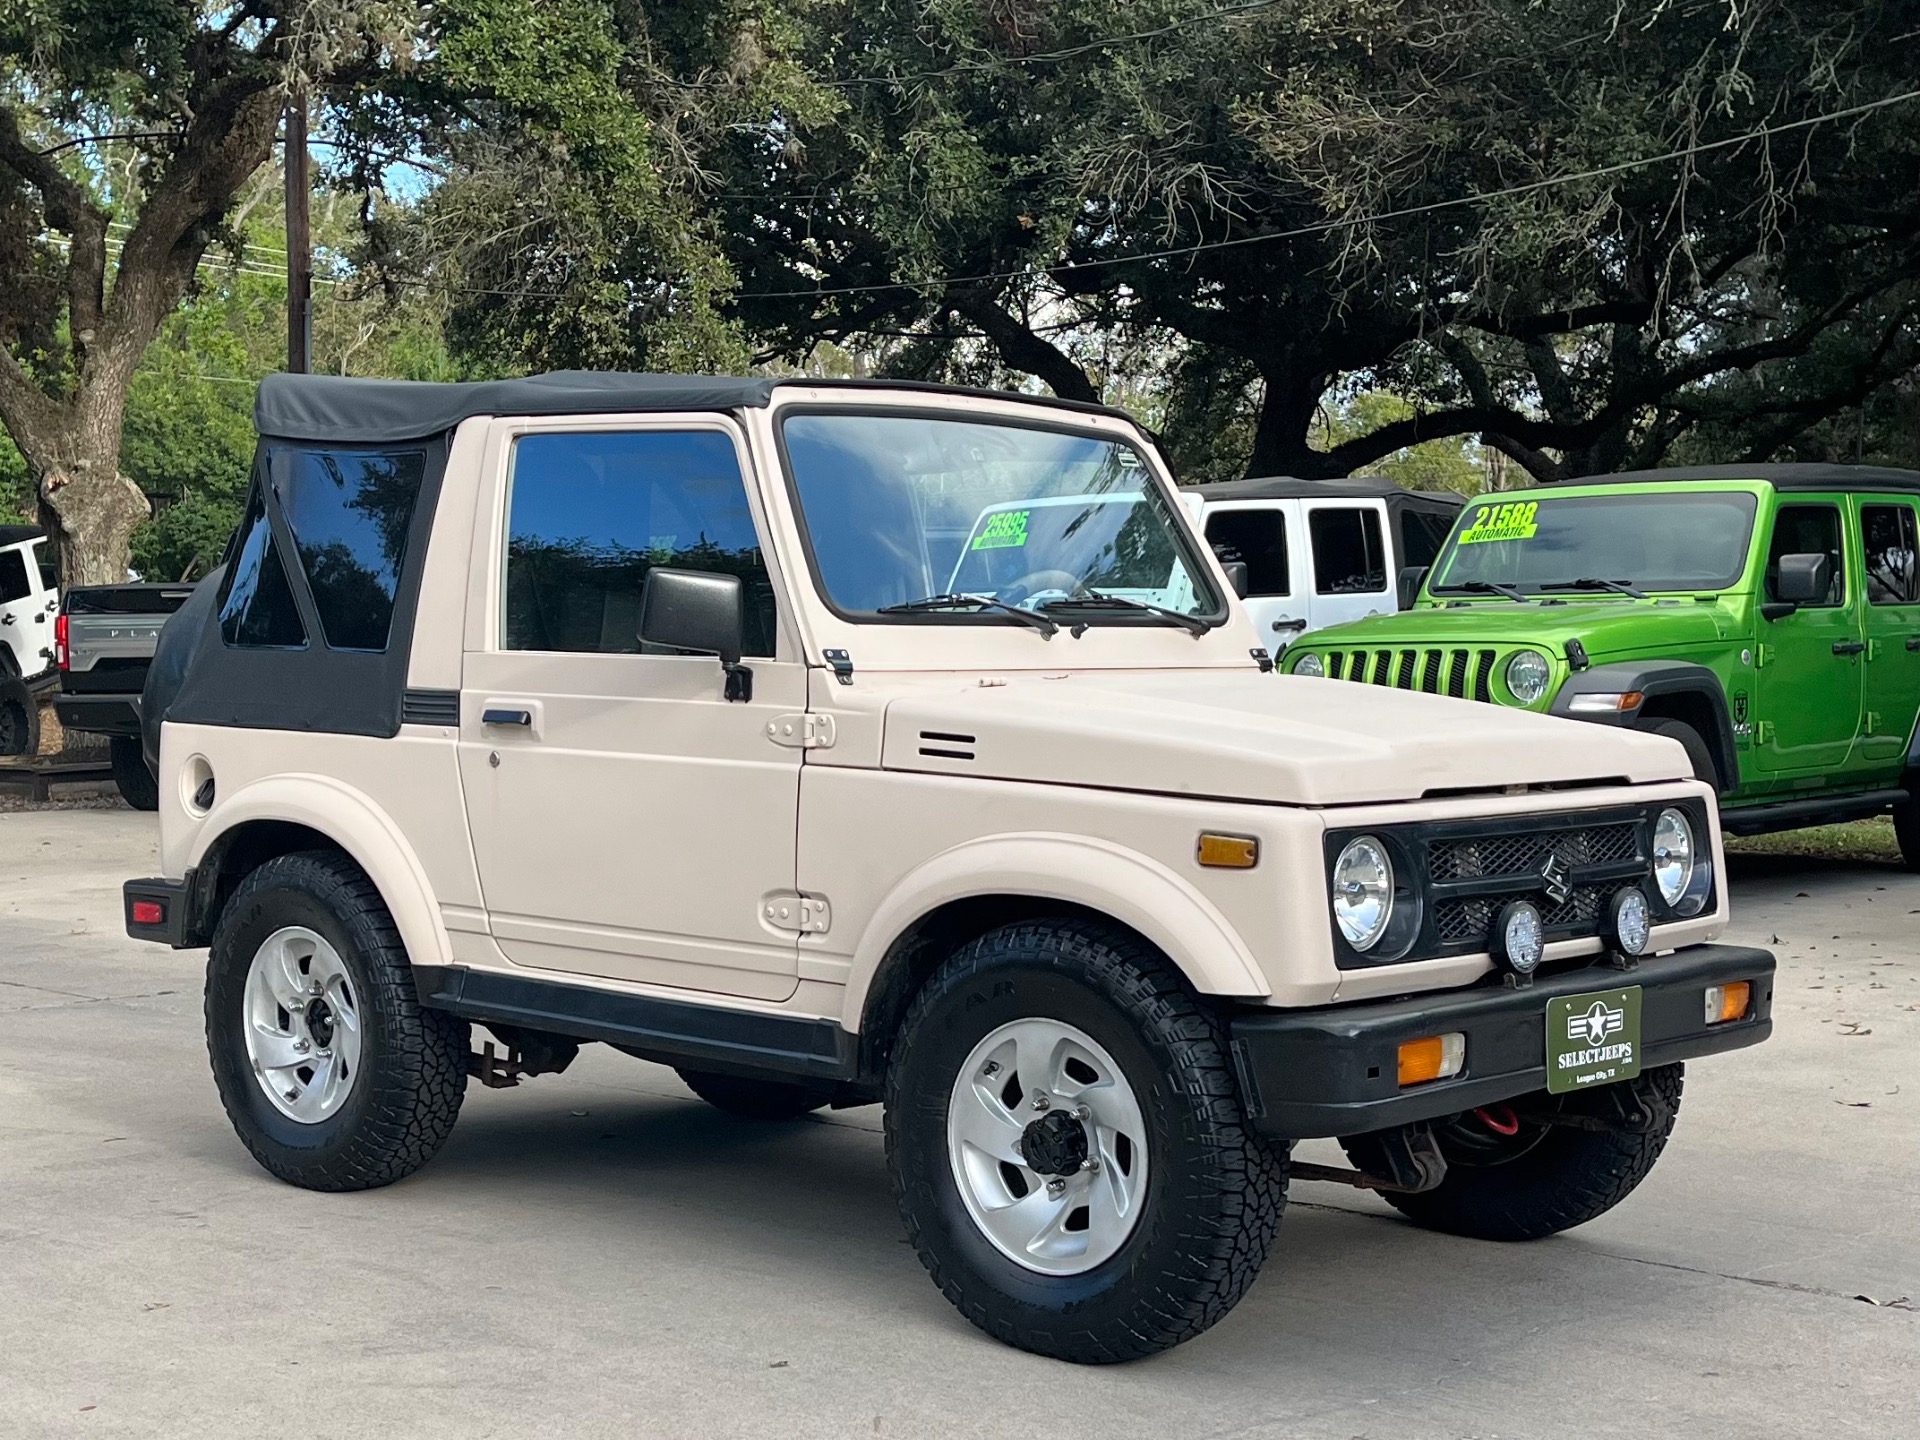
1654, 679
368, 835
1097, 874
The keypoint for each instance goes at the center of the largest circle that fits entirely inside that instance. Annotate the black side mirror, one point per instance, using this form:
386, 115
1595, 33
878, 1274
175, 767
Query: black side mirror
1412, 577
1800, 580
701, 611
1236, 576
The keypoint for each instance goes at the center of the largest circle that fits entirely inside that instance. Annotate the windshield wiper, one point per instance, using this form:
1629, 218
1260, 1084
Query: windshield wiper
932, 603
1589, 582
1085, 599
1486, 587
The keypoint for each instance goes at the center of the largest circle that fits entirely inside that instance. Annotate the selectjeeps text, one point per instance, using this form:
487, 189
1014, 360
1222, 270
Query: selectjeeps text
839, 743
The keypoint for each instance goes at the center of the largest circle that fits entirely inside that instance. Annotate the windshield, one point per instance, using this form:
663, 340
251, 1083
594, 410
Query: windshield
901, 508
1694, 541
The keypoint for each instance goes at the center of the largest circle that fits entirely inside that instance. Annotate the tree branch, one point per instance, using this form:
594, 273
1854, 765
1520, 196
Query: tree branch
68, 207
1020, 347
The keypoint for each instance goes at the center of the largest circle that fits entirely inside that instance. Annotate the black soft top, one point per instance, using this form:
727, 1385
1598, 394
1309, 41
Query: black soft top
342, 409
1848, 478
14, 534
1359, 487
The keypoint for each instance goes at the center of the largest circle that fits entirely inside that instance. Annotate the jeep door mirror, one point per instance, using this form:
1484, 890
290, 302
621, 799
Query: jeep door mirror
1800, 580
1236, 576
1412, 577
701, 611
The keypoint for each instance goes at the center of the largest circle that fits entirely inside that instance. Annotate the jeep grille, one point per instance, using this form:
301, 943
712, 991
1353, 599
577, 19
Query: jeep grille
1457, 672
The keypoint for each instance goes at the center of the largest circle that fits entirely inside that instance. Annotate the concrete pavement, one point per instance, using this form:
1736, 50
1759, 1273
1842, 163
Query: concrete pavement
600, 1254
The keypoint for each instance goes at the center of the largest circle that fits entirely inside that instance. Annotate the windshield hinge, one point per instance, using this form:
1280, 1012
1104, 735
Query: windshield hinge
801, 732
1262, 659
842, 664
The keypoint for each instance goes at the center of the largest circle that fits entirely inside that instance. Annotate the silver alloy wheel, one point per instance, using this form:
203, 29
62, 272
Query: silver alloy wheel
1016, 1078
302, 1023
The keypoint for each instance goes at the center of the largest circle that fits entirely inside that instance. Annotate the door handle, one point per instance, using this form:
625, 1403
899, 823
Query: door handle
1285, 624
1913, 642
1848, 647
507, 717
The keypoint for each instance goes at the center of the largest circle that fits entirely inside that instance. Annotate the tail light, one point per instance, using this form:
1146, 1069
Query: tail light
61, 656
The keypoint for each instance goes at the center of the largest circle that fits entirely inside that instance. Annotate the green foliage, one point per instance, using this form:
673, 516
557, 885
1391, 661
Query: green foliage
1456, 463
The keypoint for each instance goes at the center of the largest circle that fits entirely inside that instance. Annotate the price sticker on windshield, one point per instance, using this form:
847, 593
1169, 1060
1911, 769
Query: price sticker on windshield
1004, 531
1511, 521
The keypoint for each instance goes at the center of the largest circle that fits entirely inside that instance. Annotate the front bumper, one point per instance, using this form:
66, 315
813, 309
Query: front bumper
99, 714
1334, 1070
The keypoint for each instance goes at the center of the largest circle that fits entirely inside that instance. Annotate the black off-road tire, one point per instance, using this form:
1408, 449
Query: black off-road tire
1691, 740
19, 717
413, 1061
1545, 1179
131, 776
755, 1099
1906, 826
1215, 1191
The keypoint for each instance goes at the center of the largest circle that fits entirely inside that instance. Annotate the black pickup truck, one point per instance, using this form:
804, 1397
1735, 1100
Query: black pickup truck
103, 642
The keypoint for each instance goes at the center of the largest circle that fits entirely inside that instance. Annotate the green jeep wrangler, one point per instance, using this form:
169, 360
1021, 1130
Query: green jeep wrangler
1766, 616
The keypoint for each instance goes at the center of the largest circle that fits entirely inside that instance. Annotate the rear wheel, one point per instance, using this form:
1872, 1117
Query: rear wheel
1514, 1175
1698, 755
130, 773
755, 1099
19, 717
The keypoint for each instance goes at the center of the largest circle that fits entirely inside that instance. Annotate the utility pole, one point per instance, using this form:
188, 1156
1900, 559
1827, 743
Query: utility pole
299, 239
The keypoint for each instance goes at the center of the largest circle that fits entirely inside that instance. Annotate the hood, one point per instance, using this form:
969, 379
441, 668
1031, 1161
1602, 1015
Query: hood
1601, 625
1243, 735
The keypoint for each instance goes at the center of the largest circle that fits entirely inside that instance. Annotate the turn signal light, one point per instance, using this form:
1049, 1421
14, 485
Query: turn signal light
149, 912
1433, 1058
1728, 1002
1229, 852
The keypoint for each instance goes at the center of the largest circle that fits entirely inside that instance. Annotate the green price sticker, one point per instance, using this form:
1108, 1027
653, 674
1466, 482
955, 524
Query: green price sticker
1511, 521
1005, 531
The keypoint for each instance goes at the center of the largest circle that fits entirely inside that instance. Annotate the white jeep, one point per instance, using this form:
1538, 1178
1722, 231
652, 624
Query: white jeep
839, 743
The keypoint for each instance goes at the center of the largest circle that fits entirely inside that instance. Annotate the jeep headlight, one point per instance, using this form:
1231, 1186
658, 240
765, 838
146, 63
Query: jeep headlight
1363, 892
1310, 664
1527, 676
1682, 868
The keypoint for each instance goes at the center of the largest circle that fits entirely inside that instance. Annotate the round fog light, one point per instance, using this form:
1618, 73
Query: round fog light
1519, 938
1629, 922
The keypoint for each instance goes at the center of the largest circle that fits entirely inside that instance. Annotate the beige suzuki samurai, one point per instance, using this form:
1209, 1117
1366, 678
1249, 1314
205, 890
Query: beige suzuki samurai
838, 743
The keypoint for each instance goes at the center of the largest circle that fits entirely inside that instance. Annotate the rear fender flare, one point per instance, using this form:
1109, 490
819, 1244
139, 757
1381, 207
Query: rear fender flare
360, 828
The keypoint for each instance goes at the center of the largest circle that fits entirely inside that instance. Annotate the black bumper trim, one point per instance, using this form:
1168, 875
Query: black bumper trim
1334, 1070
99, 714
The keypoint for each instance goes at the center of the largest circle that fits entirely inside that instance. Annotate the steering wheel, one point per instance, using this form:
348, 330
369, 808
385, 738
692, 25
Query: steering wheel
1035, 581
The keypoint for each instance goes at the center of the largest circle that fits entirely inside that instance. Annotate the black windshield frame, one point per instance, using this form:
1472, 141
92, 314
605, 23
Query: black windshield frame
1205, 586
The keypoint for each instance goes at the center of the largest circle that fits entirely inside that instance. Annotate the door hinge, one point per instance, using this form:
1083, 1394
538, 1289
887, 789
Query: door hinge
791, 910
1872, 723
1763, 733
801, 732
1873, 650
1762, 656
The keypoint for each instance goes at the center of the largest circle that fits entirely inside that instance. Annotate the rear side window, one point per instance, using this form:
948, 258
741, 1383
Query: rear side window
1809, 530
1422, 533
1890, 541
258, 612
1259, 538
14, 584
592, 513
350, 511
1348, 558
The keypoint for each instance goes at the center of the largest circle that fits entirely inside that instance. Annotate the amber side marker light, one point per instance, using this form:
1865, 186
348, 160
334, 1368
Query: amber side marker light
1432, 1058
1728, 1002
1229, 852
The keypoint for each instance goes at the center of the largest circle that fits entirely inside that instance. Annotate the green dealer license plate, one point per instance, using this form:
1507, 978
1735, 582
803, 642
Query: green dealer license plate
1593, 1039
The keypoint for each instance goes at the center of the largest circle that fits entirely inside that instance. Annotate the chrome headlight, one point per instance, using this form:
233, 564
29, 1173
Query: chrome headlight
1527, 676
1310, 664
1363, 892
1672, 855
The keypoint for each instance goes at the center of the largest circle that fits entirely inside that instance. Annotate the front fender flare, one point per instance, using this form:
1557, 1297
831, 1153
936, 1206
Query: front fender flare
362, 829
1654, 678
1132, 888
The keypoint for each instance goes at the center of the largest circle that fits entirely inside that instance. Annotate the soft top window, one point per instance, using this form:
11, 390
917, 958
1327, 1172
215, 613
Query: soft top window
350, 511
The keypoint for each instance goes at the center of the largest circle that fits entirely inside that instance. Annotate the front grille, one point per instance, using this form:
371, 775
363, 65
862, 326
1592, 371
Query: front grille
1471, 921
1456, 672
1478, 857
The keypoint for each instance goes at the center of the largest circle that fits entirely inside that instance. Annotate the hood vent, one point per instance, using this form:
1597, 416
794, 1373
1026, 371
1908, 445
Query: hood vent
946, 745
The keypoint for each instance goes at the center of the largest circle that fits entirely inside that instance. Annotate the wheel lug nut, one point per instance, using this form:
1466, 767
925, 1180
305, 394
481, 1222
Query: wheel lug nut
1091, 1166
1056, 1188
1083, 1112
301, 1047
1040, 1101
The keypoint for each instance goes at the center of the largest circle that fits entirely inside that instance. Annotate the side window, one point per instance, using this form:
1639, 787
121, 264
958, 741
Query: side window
1890, 544
14, 584
1348, 558
1809, 530
1422, 533
591, 513
257, 610
49, 557
350, 511
1258, 537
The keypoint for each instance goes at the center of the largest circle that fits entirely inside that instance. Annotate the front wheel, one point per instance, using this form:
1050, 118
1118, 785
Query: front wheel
1068, 1146
1513, 1174
130, 773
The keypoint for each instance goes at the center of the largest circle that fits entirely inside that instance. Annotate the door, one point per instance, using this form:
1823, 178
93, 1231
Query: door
28, 600
628, 820
1352, 571
1889, 534
1809, 684
1258, 533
